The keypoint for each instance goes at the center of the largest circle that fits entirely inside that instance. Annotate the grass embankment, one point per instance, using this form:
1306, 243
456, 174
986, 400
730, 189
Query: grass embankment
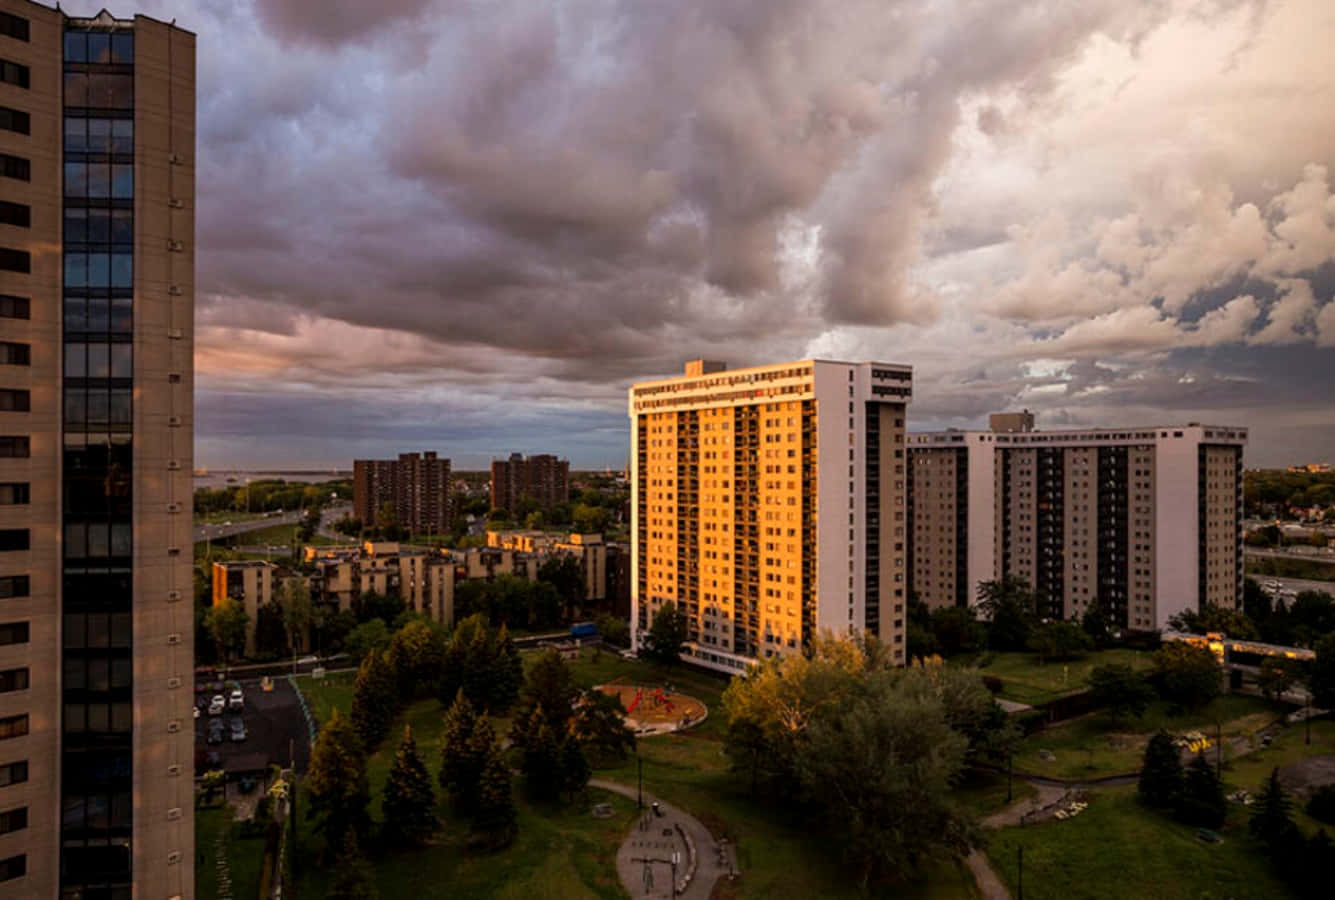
1250, 772
568, 853
1119, 848
1092, 746
1025, 679
1288, 567
245, 856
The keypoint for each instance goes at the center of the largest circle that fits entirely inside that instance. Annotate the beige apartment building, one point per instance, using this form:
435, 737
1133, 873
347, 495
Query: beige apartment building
1146, 521
97, 142
769, 505
588, 549
423, 579
248, 582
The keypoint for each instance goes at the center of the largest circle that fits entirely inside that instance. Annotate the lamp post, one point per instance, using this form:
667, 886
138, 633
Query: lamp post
639, 791
676, 858
1010, 772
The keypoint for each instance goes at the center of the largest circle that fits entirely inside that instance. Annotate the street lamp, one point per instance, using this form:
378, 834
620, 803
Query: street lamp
676, 858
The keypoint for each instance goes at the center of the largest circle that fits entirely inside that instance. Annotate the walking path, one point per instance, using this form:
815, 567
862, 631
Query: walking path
643, 862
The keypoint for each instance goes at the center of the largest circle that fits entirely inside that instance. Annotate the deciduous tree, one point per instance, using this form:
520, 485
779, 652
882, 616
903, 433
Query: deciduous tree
600, 726
1188, 676
1119, 690
666, 636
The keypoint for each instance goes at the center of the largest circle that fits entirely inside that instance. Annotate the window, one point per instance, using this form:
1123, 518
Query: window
13, 586
15, 167
15, 447
13, 680
13, 726
13, 633
13, 820
13, 539
15, 866
13, 73
15, 354
15, 214
15, 260
14, 773
13, 493
13, 26
15, 401
12, 307
15, 120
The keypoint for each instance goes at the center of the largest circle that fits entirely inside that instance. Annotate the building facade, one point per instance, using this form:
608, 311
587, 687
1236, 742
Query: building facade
97, 137
248, 582
769, 505
543, 478
423, 579
416, 486
1145, 522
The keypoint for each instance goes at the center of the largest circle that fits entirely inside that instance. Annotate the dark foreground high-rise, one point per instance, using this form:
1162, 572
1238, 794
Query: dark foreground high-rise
97, 149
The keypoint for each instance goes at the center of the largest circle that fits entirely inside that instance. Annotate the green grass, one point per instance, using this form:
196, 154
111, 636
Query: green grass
1251, 771
1118, 848
1027, 680
1288, 567
1092, 746
984, 793
245, 856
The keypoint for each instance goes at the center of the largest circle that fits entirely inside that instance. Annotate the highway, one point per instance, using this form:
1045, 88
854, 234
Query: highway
331, 514
1307, 554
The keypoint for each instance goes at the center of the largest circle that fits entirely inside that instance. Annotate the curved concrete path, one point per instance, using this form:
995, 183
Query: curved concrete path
641, 844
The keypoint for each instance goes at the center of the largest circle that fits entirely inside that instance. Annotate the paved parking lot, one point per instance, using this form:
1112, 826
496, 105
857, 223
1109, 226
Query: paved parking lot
275, 730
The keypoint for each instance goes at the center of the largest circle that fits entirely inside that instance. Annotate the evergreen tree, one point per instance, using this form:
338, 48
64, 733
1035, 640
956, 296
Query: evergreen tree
1161, 777
507, 673
550, 687
416, 654
1202, 800
336, 781
495, 823
409, 798
353, 879
375, 700
600, 725
542, 759
575, 769
1271, 823
467, 741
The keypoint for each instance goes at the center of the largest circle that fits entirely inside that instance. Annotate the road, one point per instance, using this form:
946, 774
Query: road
1298, 585
331, 514
1310, 554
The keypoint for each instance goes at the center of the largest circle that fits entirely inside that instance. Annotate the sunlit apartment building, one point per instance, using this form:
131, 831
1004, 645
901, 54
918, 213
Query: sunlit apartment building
97, 152
769, 505
1147, 520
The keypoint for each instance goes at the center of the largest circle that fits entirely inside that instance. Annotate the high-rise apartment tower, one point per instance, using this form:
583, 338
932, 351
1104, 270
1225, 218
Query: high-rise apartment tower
416, 486
1143, 522
768, 504
97, 150
542, 478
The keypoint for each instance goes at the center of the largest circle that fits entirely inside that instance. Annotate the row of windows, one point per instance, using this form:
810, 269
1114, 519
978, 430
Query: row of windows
99, 226
99, 360
13, 680
13, 493
13, 539
15, 354
99, 90
17, 214
99, 314
98, 406
100, 47
95, 540
13, 633
15, 167
15, 260
13, 726
12, 307
14, 773
15, 120
98, 674
15, 447
12, 820
13, 26
13, 73
13, 867
99, 135
99, 181
14, 586
99, 270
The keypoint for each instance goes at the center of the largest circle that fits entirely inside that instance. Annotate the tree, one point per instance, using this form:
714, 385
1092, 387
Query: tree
386, 607
336, 782
366, 639
600, 726
1202, 802
564, 572
1059, 640
667, 635
466, 742
1231, 622
590, 519
957, 630
353, 878
227, 623
409, 798
1271, 822
494, 824
417, 656
541, 757
1275, 678
484, 663
298, 614
1321, 680
1188, 676
1098, 623
1321, 805
575, 769
1120, 690
1009, 607
548, 686
270, 633
349, 525
613, 630
375, 700
1161, 775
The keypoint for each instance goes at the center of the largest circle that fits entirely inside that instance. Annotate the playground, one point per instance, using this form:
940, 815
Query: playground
656, 709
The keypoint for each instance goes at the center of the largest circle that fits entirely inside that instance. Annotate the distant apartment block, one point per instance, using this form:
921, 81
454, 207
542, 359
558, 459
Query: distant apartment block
422, 578
1147, 520
588, 549
544, 478
769, 505
248, 582
416, 486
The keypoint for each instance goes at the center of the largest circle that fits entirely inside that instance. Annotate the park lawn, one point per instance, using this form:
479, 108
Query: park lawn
1119, 848
1027, 680
984, 793
245, 856
1251, 771
1091, 746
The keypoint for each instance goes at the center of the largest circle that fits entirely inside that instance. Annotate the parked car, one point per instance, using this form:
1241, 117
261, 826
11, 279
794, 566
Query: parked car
238, 732
215, 731
236, 700
217, 705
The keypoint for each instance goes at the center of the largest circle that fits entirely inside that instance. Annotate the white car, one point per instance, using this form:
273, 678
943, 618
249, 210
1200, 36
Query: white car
217, 705
235, 700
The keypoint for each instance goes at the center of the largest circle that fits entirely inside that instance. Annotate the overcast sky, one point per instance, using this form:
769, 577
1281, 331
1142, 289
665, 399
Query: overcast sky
468, 226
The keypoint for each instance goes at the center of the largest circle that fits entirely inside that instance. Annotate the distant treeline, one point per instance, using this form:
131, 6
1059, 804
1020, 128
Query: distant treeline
1265, 489
268, 496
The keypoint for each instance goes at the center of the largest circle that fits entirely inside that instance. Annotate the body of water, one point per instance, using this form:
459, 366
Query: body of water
219, 478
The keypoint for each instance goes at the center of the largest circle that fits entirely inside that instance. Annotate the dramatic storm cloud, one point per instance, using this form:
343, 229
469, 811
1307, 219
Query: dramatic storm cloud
468, 225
